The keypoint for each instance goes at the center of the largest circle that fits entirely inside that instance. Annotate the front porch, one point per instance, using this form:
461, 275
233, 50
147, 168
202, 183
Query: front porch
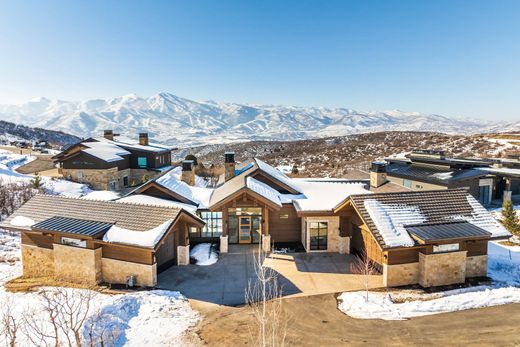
300, 274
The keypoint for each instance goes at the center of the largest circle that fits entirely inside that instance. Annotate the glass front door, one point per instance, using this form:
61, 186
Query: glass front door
318, 235
245, 230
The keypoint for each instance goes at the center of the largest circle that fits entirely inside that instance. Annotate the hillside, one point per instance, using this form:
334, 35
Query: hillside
338, 156
14, 132
178, 121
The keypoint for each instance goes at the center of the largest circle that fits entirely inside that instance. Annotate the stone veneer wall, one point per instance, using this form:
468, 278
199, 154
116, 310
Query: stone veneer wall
37, 262
183, 255
442, 268
400, 275
75, 264
100, 179
117, 271
476, 266
333, 238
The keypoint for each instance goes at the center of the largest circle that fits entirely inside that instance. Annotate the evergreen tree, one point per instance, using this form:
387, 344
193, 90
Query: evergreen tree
509, 218
36, 182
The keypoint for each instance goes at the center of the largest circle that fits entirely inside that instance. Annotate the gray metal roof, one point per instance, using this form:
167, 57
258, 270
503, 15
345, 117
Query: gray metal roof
72, 226
446, 231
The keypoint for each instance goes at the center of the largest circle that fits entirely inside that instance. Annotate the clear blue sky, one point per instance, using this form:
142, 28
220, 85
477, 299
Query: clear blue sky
457, 58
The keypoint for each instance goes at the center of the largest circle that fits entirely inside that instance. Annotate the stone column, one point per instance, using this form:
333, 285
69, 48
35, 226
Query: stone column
223, 244
266, 243
344, 245
183, 255
507, 195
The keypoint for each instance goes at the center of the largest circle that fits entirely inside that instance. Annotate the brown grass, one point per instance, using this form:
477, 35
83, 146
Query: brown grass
509, 243
25, 284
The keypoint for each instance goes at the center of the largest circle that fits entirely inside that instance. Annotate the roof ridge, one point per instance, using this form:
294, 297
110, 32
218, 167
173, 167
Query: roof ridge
80, 198
414, 192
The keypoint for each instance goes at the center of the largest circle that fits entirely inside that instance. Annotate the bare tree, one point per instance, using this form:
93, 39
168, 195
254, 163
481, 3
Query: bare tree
98, 331
9, 324
264, 297
365, 267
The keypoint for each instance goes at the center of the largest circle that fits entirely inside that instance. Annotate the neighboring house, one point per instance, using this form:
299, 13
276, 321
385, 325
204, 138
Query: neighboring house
107, 164
486, 180
89, 241
430, 238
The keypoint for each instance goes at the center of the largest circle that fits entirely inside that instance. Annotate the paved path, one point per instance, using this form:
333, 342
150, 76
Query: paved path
225, 282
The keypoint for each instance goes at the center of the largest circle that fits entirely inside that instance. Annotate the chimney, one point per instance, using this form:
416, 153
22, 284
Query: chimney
188, 172
108, 134
143, 139
377, 174
229, 165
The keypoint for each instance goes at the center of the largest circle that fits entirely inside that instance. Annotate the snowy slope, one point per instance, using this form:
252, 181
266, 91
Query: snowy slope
174, 120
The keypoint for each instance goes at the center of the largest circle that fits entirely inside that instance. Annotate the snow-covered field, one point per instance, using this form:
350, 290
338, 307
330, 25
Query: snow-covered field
503, 268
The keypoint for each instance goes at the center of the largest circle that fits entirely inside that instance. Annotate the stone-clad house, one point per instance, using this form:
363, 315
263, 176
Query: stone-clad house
108, 164
429, 238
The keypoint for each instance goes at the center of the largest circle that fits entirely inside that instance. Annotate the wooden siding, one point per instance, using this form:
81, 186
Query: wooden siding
285, 229
402, 256
39, 240
165, 254
362, 240
475, 248
86, 161
128, 253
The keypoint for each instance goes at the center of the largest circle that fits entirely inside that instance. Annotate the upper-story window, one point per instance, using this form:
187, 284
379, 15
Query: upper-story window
141, 162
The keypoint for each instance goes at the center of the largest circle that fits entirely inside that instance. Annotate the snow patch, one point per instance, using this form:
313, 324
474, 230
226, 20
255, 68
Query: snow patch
204, 254
148, 238
22, 221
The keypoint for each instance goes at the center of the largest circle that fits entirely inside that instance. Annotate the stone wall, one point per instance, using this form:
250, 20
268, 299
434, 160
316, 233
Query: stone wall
75, 264
183, 255
333, 238
476, 266
100, 179
37, 262
442, 268
400, 275
117, 271
344, 245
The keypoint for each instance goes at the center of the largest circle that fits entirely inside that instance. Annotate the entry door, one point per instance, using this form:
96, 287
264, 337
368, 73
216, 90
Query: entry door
244, 229
318, 235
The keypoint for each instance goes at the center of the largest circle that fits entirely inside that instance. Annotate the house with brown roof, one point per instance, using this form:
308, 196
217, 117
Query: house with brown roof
88, 241
430, 238
109, 164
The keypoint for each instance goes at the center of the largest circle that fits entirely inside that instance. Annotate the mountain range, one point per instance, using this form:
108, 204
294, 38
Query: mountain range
178, 121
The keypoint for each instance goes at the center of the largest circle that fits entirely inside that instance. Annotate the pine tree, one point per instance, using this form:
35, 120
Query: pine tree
36, 182
509, 218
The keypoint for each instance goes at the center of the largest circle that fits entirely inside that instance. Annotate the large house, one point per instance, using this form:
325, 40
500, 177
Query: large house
107, 164
485, 179
429, 238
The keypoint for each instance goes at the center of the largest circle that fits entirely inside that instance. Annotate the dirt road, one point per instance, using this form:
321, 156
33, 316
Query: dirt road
315, 321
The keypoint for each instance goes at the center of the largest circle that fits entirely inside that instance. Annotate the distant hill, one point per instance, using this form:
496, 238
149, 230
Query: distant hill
14, 132
182, 122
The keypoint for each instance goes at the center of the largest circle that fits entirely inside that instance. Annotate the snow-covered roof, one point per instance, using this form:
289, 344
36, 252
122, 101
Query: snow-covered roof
391, 220
199, 193
276, 174
147, 238
105, 151
123, 142
323, 196
264, 190
501, 171
152, 200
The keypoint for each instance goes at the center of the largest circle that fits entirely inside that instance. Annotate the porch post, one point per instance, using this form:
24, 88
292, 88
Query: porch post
266, 237
224, 237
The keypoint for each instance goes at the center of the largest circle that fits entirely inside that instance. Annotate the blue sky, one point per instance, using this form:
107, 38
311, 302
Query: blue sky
456, 58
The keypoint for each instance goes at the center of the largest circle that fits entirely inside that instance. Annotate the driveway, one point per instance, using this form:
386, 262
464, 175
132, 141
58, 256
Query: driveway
299, 274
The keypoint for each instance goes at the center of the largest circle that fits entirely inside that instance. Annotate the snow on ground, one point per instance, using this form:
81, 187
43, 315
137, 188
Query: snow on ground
147, 318
503, 268
204, 254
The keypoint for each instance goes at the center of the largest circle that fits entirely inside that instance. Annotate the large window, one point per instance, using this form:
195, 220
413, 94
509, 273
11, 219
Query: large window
450, 247
318, 235
213, 227
141, 162
407, 183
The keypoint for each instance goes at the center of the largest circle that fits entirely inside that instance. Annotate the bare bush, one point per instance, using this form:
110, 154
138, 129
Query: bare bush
365, 267
264, 297
9, 324
13, 195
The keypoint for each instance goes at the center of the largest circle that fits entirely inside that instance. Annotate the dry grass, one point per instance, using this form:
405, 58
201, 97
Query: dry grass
25, 284
509, 243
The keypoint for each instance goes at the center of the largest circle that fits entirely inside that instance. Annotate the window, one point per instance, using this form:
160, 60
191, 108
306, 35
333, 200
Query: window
112, 186
484, 195
450, 247
213, 227
284, 216
318, 235
73, 242
80, 175
407, 183
125, 181
141, 162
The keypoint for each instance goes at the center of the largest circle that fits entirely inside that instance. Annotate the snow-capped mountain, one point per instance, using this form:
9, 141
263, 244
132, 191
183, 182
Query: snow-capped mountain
178, 121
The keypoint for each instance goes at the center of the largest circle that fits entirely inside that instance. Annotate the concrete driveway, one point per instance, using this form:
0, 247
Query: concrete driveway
299, 274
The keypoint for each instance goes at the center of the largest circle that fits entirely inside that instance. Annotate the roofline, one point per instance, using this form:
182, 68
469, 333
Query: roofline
245, 189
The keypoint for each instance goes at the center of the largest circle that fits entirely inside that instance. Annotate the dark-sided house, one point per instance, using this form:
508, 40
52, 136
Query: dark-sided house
89, 241
486, 179
430, 238
107, 164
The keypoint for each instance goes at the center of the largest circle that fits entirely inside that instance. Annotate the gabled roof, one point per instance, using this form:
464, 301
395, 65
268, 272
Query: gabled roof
388, 214
138, 217
431, 174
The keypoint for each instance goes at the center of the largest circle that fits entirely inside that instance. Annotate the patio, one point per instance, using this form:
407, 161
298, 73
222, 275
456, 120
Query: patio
300, 274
